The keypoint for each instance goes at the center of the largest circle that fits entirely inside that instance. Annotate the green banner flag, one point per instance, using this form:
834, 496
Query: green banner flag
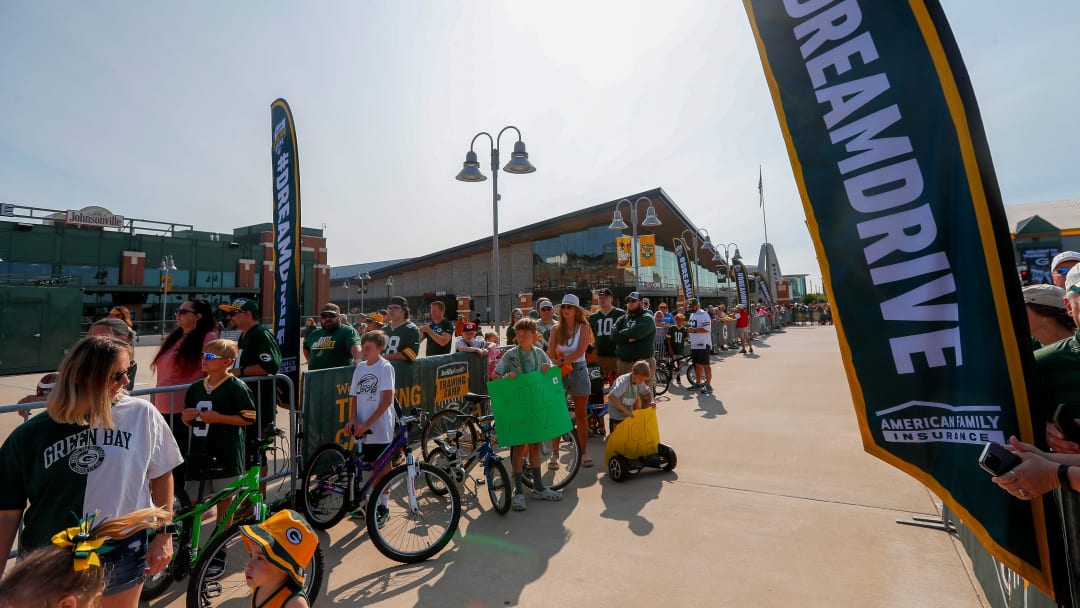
685, 275
530, 408
285, 168
887, 149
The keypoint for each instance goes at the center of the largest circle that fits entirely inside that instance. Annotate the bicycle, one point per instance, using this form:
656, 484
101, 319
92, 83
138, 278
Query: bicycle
668, 369
466, 438
458, 463
217, 571
417, 523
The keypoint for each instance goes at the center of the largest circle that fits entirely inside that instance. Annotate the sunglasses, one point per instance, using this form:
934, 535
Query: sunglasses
120, 375
184, 311
394, 307
213, 357
1063, 270
328, 315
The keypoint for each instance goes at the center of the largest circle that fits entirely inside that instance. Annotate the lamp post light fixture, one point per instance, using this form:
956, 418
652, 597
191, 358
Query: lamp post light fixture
167, 265
727, 261
702, 242
389, 284
617, 223
363, 278
470, 172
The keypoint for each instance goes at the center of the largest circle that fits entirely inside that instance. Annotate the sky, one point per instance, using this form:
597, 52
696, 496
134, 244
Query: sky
161, 111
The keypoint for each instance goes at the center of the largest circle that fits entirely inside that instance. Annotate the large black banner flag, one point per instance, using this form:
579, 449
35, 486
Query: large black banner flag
887, 149
763, 289
742, 282
686, 276
285, 168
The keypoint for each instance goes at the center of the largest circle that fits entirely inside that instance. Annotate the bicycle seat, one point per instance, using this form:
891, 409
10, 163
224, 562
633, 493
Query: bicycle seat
475, 398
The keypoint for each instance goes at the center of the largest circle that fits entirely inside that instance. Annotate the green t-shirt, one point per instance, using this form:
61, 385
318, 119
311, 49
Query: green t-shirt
677, 336
225, 442
331, 349
602, 326
259, 347
634, 336
1059, 377
405, 340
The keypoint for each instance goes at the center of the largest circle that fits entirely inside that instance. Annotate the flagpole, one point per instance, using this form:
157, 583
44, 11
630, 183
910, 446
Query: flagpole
769, 281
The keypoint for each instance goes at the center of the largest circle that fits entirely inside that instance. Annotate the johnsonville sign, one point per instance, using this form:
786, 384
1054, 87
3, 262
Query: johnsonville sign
97, 217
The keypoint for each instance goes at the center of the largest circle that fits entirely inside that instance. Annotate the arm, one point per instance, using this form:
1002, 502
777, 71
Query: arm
614, 401
9, 525
160, 551
441, 339
384, 404
212, 417
355, 351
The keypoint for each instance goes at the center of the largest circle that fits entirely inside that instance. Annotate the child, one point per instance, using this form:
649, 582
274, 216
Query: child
596, 386
677, 338
279, 549
469, 343
55, 576
494, 353
372, 400
216, 408
629, 392
525, 358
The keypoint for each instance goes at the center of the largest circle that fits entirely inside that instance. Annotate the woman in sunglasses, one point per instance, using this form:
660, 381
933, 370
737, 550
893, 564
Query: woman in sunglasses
179, 362
96, 449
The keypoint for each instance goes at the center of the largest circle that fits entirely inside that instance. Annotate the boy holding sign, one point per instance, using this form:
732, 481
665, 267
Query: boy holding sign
523, 359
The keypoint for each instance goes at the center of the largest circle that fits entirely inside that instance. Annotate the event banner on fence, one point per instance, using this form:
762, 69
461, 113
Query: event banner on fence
285, 308
686, 278
763, 289
530, 408
432, 384
887, 149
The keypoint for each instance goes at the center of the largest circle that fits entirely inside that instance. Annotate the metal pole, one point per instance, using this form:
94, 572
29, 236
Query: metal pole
634, 249
348, 297
495, 230
363, 288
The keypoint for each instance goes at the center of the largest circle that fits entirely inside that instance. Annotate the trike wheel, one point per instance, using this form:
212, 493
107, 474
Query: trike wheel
617, 467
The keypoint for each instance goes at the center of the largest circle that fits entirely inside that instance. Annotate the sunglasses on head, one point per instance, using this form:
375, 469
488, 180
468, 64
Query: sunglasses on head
120, 375
213, 357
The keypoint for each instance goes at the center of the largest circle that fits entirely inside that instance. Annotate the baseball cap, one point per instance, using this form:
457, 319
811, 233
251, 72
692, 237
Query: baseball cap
468, 327
241, 305
331, 307
376, 317
400, 301
546, 304
633, 295
287, 540
1045, 295
691, 301
1072, 280
603, 291
1064, 256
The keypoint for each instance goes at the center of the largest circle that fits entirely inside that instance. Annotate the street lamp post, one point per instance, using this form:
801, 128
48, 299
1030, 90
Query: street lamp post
470, 172
165, 268
705, 244
389, 284
617, 223
348, 297
363, 278
727, 261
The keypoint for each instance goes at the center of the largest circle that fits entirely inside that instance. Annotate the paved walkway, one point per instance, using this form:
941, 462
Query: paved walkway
773, 503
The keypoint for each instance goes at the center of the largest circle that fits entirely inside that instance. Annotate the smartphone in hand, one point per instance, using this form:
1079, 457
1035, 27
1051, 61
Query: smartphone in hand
1066, 424
996, 460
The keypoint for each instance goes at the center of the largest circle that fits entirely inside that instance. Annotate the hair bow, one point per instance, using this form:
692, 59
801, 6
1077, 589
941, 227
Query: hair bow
85, 549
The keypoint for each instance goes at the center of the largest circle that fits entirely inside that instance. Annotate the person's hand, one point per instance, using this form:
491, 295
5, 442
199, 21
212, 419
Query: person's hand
189, 415
510, 375
544, 367
159, 553
1034, 476
1057, 441
350, 428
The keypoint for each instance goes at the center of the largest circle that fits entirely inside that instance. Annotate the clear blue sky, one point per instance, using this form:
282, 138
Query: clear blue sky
161, 111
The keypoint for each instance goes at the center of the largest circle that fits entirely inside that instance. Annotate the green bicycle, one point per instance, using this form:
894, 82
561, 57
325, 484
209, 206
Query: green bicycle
217, 570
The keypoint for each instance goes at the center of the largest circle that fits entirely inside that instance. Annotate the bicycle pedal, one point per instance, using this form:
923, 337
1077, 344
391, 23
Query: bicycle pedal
479, 481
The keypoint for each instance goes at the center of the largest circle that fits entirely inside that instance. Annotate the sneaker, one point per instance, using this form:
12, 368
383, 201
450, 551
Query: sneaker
382, 515
216, 567
706, 390
359, 513
547, 494
751, 350
518, 502
678, 381
694, 387
743, 351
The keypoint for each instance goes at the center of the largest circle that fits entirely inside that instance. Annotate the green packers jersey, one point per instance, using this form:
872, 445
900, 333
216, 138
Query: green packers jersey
259, 347
333, 349
601, 325
405, 340
225, 442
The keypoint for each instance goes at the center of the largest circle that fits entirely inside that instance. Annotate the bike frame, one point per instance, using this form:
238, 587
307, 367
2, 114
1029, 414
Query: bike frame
359, 467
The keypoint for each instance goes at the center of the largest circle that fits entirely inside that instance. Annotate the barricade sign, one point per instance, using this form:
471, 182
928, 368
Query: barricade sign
430, 383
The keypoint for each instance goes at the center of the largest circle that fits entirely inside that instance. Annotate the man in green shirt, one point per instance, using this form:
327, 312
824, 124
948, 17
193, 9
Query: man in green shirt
602, 322
259, 356
334, 344
634, 335
402, 341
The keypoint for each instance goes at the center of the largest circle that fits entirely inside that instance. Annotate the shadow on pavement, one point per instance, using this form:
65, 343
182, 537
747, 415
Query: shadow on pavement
624, 501
386, 583
710, 407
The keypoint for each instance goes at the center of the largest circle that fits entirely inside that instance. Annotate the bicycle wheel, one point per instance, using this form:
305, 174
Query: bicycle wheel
439, 458
410, 536
662, 377
569, 459
157, 584
326, 486
464, 438
218, 579
691, 373
498, 486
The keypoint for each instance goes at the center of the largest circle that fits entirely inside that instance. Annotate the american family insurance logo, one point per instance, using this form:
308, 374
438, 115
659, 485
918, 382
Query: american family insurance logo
930, 422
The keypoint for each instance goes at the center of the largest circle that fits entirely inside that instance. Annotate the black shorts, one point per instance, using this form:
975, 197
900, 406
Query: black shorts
370, 452
700, 356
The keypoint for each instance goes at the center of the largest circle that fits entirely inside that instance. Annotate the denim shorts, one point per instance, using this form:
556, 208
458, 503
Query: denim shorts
125, 565
577, 381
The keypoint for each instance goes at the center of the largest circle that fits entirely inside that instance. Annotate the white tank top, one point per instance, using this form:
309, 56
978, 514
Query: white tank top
566, 349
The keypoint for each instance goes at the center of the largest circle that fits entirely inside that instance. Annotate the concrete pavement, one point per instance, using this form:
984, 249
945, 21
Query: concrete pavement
773, 503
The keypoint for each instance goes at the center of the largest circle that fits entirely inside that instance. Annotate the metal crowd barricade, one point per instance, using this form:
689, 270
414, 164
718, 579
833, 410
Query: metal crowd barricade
273, 474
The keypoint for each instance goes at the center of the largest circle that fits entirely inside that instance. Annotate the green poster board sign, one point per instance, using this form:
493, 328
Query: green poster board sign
530, 408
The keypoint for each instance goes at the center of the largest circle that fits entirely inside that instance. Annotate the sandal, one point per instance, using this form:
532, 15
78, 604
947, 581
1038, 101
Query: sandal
553, 465
586, 462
